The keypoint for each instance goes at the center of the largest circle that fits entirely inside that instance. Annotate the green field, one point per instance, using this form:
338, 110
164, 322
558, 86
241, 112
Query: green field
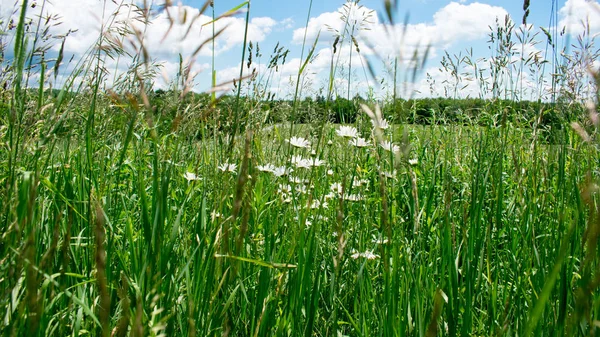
123, 215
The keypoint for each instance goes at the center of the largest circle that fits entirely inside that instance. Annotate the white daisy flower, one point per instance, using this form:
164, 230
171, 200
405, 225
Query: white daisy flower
367, 255
299, 142
286, 189
388, 146
347, 131
413, 162
318, 204
297, 180
300, 162
266, 168
226, 167
380, 123
336, 188
359, 182
317, 162
285, 192
359, 142
214, 215
381, 241
354, 197
189, 176
389, 175
282, 171
321, 218
301, 189
296, 159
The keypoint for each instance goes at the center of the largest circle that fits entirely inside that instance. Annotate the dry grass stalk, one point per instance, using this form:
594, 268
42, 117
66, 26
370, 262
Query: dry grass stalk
101, 281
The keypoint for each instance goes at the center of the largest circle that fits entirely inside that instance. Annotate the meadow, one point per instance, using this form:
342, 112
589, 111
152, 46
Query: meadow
124, 214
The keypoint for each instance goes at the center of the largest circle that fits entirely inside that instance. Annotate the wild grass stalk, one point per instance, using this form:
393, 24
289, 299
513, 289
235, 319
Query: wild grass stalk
120, 221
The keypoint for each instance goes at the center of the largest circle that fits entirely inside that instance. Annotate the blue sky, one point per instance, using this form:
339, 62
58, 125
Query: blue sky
451, 26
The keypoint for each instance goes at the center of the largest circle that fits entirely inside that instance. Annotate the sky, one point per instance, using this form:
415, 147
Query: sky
459, 27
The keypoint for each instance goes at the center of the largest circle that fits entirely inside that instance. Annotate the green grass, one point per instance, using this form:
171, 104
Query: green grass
492, 215
465, 230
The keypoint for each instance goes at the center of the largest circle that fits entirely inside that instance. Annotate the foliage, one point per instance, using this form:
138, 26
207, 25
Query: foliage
167, 212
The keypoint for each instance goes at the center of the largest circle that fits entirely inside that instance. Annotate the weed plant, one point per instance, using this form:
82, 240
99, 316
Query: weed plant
118, 221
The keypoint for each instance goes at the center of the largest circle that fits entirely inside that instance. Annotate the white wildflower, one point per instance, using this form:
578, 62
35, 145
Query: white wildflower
347, 131
322, 218
381, 124
299, 142
367, 255
304, 163
284, 192
317, 162
214, 215
284, 189
189, 176
226, 167
300, 162
359, 142
318, 204
354, 197
380, 241
282, 171
388, 146
389, 175
298, 180
336, 188
301, 189
413, 162
359, 182
266, 168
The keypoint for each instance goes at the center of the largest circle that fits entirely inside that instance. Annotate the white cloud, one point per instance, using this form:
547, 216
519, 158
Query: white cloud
185, 39
83, 16
286, 23
230, 73
88, 16
530, 84
575, 13
169, 69
329, 23
283, 79
458, 22
452, 23
189, 30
